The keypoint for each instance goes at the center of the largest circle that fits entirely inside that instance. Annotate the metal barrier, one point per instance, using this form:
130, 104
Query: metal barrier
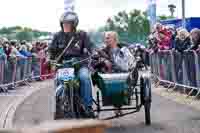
17, 71
2, 64
177, 69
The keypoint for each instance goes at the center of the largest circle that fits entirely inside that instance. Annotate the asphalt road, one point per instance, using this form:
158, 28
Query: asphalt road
167, 115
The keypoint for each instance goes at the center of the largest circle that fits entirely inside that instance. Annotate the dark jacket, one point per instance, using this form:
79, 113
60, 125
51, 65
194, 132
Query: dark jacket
181, 45
107, 53
61, 40
195, 35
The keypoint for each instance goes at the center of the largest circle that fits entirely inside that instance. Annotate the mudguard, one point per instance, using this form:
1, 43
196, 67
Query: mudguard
60, 91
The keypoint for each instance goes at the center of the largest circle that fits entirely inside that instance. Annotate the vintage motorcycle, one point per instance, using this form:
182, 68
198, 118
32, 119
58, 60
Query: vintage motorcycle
115, 92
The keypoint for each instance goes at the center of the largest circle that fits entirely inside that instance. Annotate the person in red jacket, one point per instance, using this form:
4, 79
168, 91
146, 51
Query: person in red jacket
164, 39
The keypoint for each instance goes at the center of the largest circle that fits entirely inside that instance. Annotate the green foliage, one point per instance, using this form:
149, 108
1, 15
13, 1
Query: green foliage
24, 36
96, 38
131, 27
4, 30
22, 33
164, 17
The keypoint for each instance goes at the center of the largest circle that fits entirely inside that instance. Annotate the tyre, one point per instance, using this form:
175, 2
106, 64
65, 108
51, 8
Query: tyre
59, 113
146, 97
68, 107
147, 107
64, 107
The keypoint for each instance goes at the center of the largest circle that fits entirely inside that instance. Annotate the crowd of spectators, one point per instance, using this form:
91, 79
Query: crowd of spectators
15, 53
171, 38
183, 44
23, 49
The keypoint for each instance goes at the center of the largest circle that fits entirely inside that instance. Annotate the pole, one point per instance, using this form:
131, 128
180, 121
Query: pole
152, 13
183, 14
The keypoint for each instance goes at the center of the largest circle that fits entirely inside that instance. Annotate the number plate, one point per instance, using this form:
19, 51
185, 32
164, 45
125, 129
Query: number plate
66, 73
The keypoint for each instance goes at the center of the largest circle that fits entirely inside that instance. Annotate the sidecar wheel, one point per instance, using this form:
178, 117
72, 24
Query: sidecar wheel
147, 100
147, 107
145, 86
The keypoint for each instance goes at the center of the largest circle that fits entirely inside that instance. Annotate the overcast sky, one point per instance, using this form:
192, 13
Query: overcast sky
44, 14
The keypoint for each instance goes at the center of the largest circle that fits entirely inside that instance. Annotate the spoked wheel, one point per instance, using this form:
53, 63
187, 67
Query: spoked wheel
82, 111
59, 113
63, 109
145, 85
69, 105
65, 105
68, 108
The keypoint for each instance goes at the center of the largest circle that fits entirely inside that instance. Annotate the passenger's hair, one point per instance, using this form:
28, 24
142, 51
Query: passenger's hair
112, 33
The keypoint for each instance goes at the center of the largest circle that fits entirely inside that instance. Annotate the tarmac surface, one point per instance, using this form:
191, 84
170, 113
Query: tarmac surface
168, 116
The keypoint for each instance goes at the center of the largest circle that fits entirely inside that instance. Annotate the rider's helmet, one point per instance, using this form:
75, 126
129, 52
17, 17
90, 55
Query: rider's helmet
69, 17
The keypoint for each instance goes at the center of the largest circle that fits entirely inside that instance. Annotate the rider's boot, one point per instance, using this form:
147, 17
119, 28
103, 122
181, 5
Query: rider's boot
91, 112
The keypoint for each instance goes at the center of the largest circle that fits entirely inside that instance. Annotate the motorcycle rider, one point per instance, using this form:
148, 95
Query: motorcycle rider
79, 49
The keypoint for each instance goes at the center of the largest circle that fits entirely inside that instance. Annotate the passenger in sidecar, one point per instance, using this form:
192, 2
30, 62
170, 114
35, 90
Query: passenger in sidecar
114, 57
119, 63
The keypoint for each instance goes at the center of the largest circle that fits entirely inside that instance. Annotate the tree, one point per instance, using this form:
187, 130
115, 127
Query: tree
15, 28
24, 36
164, 17
131, 27
5, 30
18, 32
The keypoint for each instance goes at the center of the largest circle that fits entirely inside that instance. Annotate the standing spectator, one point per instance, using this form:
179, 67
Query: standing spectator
23, 50
7, 48
189, 57
14, 51
182, 41
173, 35
164, 40
2, 52
29, 47
195, 37
163, 37
42, 55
